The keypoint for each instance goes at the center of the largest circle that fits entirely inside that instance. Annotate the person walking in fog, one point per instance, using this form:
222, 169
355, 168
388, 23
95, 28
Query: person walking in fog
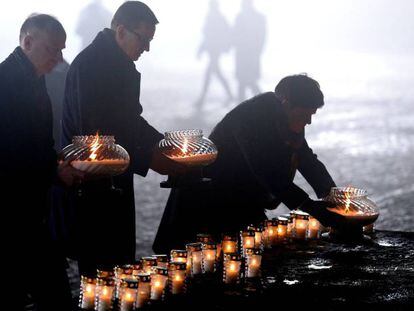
216, 41
249, 34
34, 264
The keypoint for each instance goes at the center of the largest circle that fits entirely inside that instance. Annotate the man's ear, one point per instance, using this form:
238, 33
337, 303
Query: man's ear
27, 43
120, 31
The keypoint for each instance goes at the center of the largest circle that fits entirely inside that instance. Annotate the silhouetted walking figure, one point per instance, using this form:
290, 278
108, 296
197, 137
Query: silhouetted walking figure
93, 18
249, 34
216, 41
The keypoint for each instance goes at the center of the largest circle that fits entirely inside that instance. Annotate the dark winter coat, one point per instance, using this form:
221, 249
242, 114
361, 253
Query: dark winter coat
102, 95
257, 159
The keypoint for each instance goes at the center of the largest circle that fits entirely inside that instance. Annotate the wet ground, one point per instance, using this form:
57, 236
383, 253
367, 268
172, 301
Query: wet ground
366, 144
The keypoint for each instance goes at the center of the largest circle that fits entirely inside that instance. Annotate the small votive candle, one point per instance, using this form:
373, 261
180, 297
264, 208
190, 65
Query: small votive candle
161, 260
269, 232
258, 235
144, 290
289, 230
253, 262
301, 225
176, 277
313, 228
148, 263
121, 272
229, 244
128, 294
178, 255
194, 258
247, 240
104, 294
87, 293
159, 278
209, 251
231, 271
282, 224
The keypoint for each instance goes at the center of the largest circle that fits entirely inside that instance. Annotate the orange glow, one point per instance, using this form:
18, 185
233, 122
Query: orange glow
232, 267
177, 278
94, 147
347, 202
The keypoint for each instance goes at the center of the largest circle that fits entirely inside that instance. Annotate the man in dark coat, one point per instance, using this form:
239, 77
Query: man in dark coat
28, 167
261, 144
102, 95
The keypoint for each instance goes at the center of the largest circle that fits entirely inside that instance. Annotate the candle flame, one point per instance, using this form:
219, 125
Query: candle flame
157, 284
228, 247
232, 267
248, 243
271, 231
184, 149
279, 230
254, 262
347, 201
177, 278
104, 292
94, 147
89, 288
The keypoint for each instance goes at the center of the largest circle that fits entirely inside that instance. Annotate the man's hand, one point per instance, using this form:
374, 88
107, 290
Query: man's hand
165, 166
319, 210
69, 175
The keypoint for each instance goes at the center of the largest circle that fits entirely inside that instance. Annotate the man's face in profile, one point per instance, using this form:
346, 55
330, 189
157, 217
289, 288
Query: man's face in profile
299, 117
138, 40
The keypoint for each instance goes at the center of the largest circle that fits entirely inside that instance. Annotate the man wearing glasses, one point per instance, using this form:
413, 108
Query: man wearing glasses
102, 95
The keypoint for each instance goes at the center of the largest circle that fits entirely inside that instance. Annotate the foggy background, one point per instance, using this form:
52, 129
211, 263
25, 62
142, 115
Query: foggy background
361, 52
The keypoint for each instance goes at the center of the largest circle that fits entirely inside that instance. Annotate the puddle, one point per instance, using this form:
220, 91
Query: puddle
289, 282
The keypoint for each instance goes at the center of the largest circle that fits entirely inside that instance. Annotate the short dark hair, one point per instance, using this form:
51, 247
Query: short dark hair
42, 22
132, 13
300, 90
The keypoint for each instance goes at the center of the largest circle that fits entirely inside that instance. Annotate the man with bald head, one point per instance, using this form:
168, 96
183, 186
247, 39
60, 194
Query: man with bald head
28, 168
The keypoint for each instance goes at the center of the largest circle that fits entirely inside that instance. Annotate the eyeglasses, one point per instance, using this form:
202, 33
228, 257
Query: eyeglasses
145, 41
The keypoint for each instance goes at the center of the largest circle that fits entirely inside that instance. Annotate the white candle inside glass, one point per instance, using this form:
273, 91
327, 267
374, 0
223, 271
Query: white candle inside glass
143, 295
88, 296
253, 265
158, 283
178, 282
313, 228
209, 259
105, 299
229, 247
232, 271
300, 228
196, 258
128, 300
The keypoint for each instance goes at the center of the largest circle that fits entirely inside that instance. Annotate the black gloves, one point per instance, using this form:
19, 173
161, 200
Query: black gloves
319, 210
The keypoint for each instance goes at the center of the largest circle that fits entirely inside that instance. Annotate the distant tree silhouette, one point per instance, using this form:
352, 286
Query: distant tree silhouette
249, 34
92, 19
216, 41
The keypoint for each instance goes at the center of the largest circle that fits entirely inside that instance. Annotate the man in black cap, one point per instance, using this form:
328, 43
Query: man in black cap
102, 95
261, 143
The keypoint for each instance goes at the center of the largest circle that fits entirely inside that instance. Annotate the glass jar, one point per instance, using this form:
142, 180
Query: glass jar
354, 205
144, 289
301, 225
247, 240
282, 224
121, 272
253, 262
159, 278
269, 233
177, 277
194, 258
128, 294
229, 244
258, 235
314, 228
188, 147
96, 155
231, 269
87, 293
104, 294
209, 251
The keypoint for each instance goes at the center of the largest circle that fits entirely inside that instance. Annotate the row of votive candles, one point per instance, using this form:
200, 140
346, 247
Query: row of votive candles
133, 286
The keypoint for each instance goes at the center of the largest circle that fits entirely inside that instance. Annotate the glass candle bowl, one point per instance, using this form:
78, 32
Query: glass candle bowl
96, 155
353, 204
188, 147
